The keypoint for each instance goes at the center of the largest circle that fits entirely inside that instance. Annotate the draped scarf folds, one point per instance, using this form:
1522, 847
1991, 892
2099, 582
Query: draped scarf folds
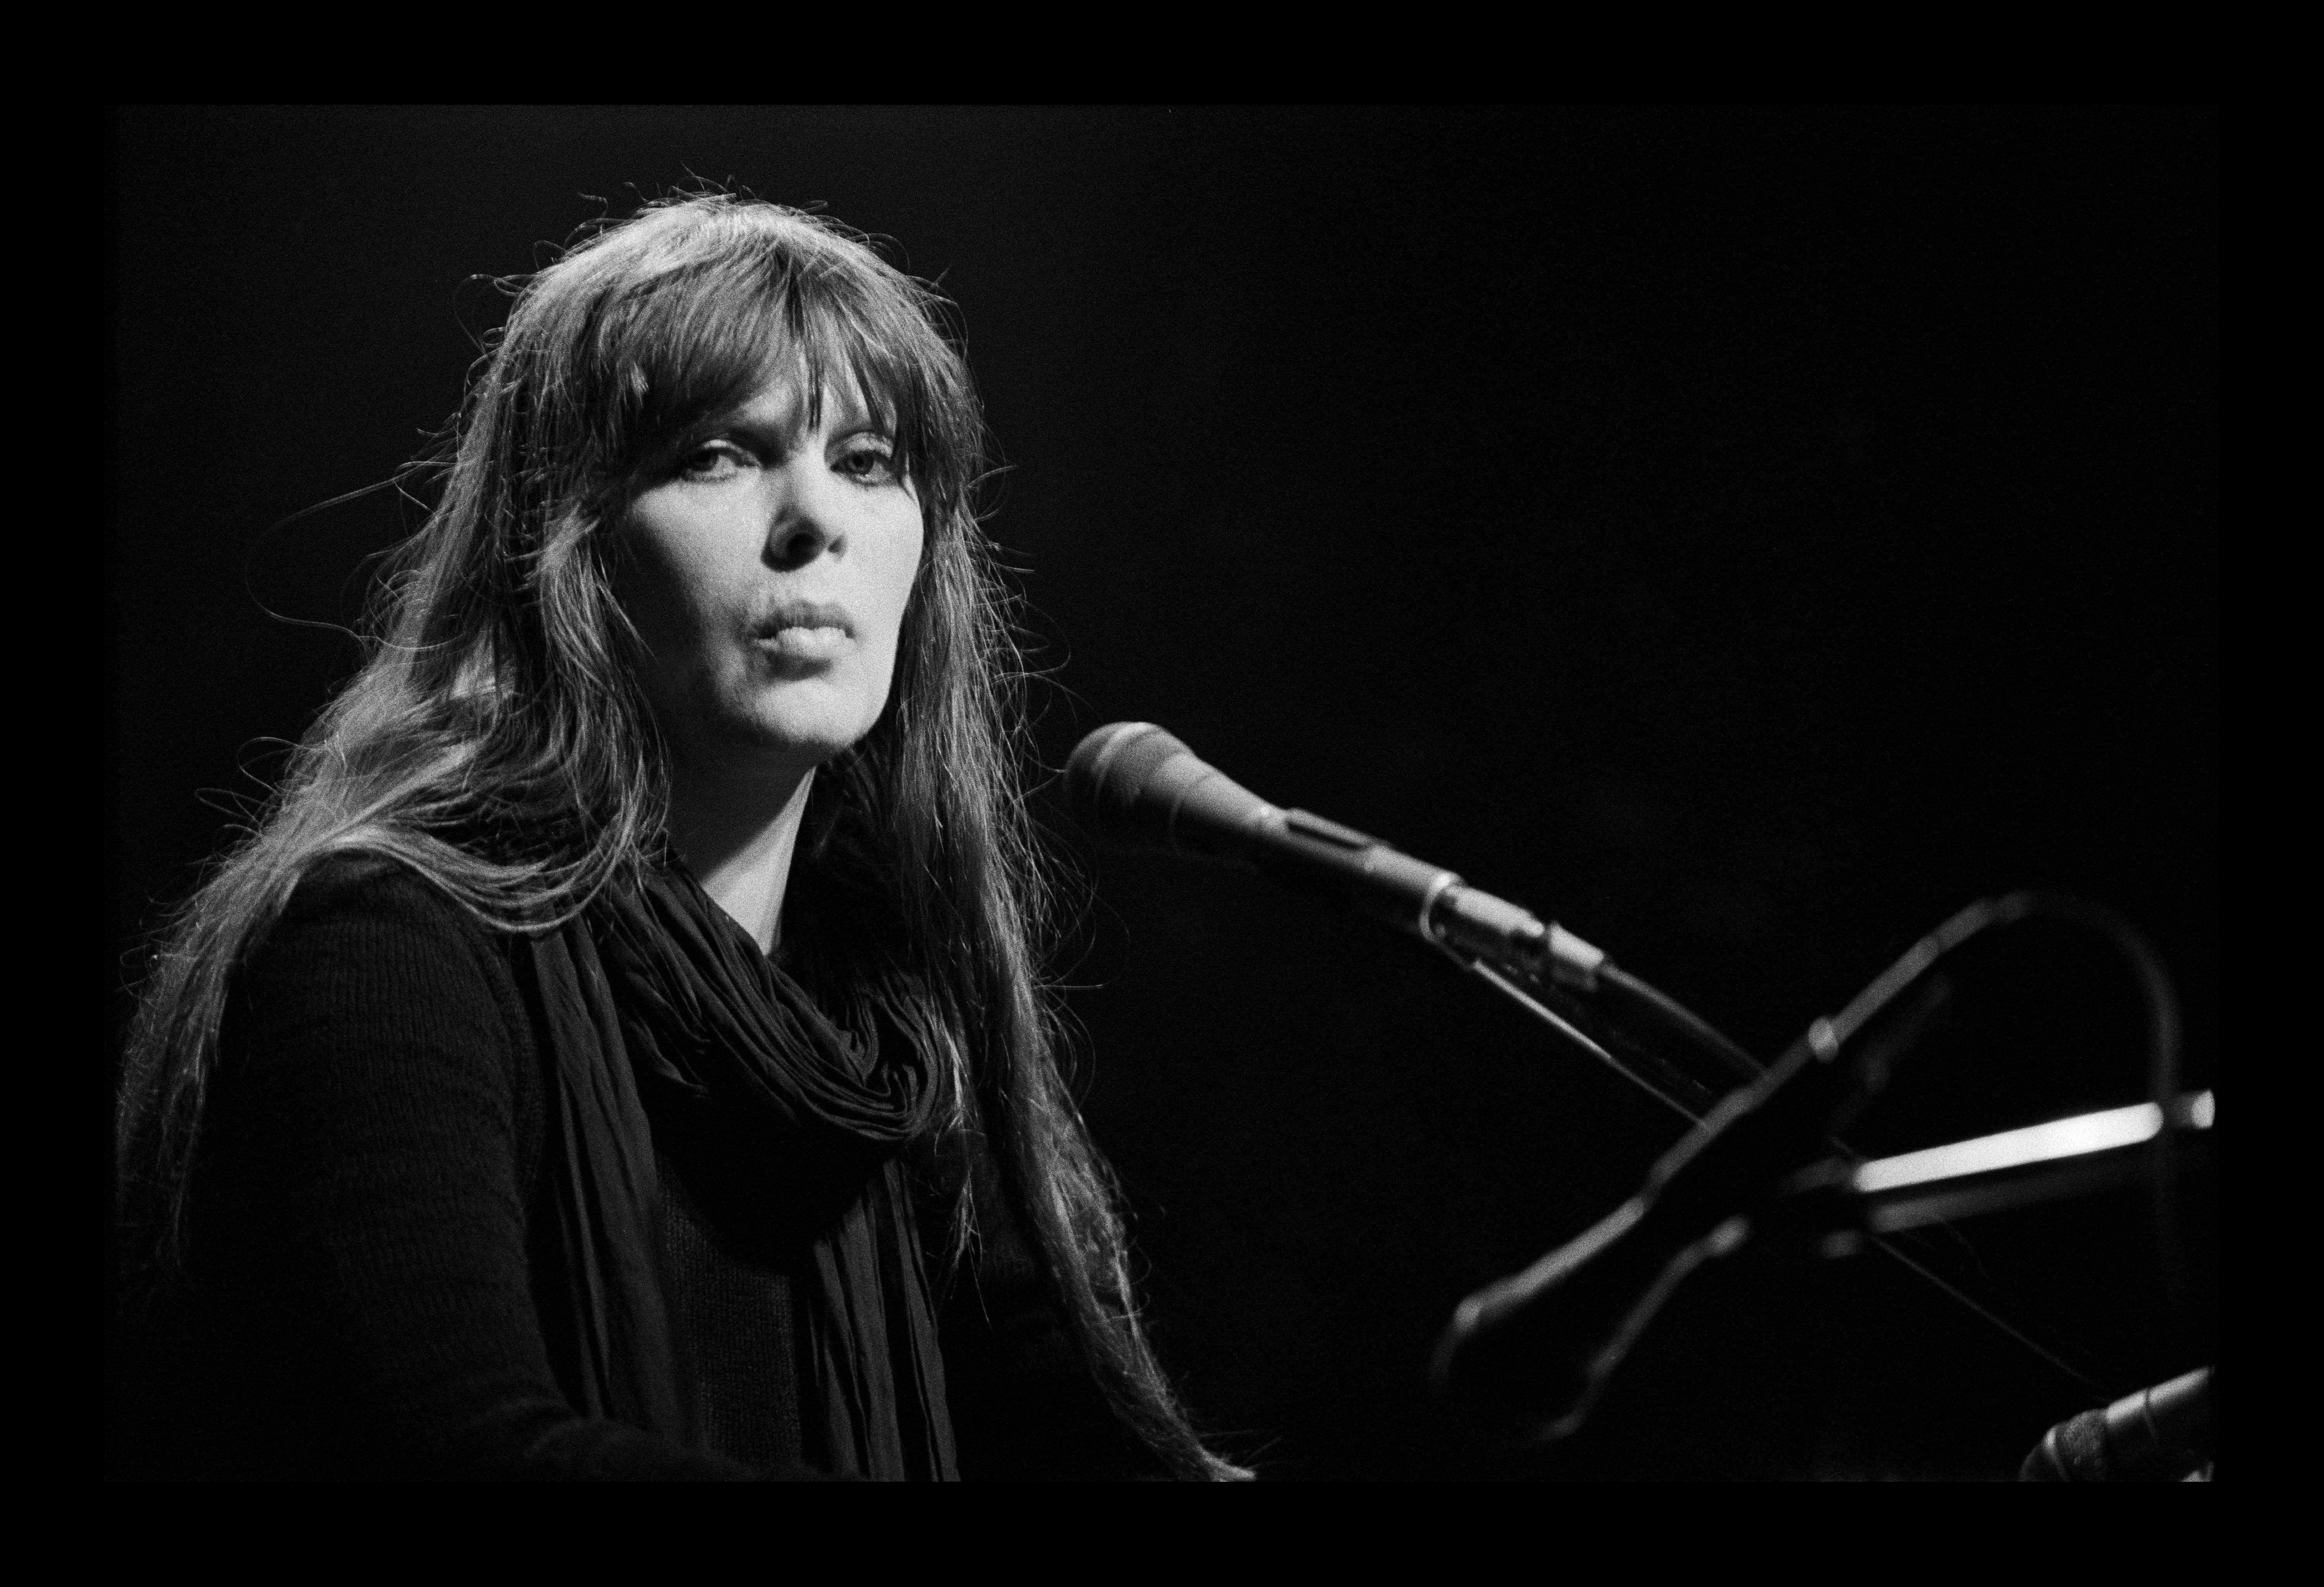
668, 1029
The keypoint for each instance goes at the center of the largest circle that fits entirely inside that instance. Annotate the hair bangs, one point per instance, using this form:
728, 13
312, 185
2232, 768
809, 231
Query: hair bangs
685, 348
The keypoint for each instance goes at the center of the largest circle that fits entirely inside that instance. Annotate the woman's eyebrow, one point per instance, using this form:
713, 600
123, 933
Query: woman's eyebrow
777, 435
777, 431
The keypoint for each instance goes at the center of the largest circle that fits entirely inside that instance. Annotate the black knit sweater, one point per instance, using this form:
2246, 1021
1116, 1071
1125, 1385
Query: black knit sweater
364, 1226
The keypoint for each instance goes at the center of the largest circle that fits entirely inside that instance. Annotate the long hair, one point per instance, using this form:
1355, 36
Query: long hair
495, 741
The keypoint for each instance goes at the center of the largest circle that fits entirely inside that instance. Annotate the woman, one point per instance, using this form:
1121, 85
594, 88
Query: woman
620, 1051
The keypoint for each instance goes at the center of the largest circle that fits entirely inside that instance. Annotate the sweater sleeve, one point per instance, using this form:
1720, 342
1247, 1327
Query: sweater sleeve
357, 1290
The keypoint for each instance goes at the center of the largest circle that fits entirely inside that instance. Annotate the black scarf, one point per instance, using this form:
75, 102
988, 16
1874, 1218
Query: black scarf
667, 1025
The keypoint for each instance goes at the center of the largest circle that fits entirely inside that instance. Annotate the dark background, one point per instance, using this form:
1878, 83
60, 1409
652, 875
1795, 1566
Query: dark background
1744, 536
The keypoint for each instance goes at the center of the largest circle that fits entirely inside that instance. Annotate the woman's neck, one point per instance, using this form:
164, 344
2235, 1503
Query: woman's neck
737, 835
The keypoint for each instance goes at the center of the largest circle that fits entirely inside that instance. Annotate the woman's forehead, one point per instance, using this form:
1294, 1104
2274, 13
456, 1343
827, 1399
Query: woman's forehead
789, 396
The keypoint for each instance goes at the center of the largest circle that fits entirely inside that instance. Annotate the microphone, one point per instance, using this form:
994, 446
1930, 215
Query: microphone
1138, 787
2159, 1434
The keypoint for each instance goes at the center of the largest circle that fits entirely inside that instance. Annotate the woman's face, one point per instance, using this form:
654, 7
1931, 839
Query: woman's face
767, 576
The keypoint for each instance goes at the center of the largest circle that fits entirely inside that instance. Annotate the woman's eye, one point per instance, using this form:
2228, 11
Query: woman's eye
720, 460
869, 462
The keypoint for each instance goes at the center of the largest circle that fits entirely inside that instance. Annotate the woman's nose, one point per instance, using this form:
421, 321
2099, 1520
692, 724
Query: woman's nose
804, 526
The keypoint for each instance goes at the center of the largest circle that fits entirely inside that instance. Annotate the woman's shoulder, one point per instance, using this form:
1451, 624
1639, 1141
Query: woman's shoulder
366, 936
367, 884
378, 897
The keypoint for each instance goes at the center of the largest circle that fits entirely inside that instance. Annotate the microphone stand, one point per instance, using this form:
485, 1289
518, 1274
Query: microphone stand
1550, 1336
1537, 1348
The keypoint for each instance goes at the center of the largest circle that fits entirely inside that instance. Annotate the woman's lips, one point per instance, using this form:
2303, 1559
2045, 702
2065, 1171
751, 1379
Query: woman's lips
820, 642
805, 633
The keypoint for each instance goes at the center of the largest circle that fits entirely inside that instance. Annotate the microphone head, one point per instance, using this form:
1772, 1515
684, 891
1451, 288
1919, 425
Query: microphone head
1107, 778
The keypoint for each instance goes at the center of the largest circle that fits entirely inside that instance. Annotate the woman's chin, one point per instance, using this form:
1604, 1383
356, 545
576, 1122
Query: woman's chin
800, 740
798, 724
